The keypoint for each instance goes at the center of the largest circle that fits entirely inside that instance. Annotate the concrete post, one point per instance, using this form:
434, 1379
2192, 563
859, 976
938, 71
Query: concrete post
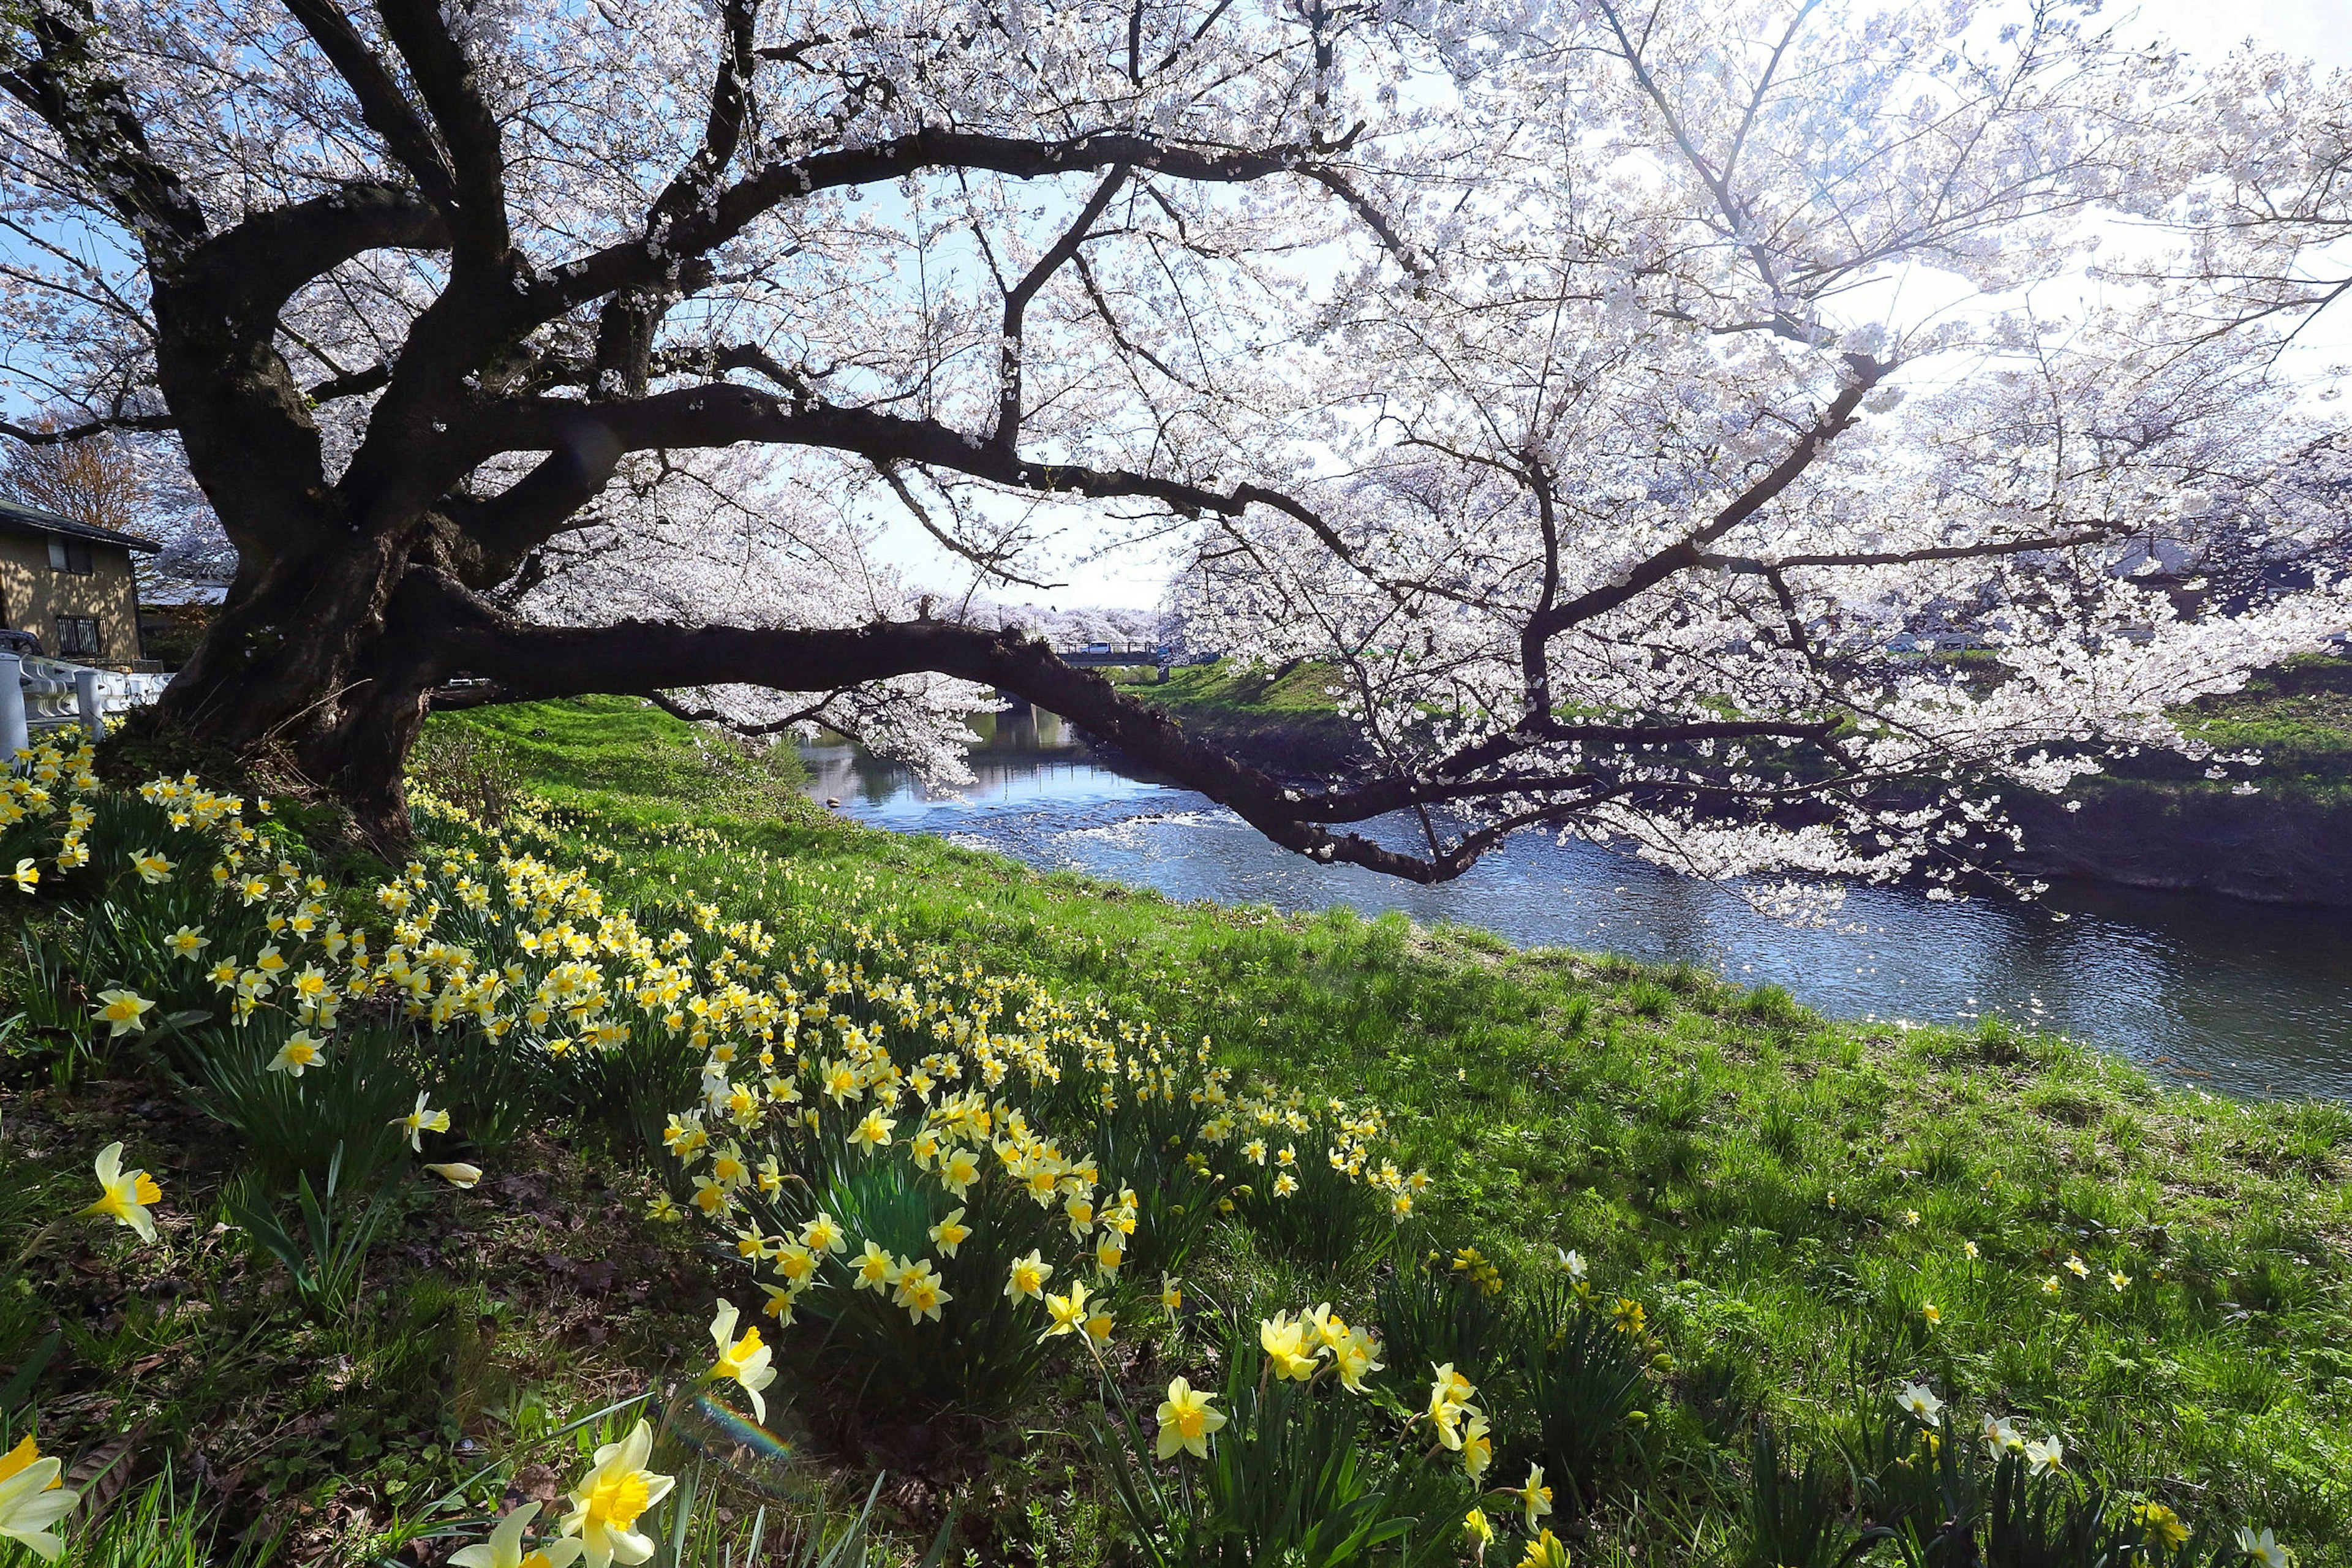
93, 717
15, 734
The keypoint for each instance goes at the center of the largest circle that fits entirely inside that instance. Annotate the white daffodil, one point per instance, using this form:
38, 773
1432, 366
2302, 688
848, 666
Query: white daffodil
1919, 1400
744, 1362
504, 1549
2264, 1549
32, 1499
420, 1121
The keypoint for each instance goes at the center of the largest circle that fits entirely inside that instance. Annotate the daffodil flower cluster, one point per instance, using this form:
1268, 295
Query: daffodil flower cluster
1460, 1426
2002, 1439
1300, 1349
43, 779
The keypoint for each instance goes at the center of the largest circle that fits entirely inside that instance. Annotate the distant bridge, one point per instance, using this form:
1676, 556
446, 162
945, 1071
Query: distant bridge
1105, 656
1160, 656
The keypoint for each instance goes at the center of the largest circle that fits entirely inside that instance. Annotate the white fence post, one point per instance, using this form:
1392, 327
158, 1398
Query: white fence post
15, 736
92, 713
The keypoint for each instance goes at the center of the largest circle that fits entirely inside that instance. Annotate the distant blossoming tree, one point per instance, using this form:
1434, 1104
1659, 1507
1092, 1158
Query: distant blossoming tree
1611, 394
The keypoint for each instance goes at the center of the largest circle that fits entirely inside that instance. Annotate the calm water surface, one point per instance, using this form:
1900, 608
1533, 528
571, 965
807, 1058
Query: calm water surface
2243, 998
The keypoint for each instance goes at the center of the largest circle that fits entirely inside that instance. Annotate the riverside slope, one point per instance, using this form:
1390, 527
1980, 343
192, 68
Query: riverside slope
2154, 822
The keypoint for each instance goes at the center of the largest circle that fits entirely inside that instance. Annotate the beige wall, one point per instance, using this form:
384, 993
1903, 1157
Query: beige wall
33, 595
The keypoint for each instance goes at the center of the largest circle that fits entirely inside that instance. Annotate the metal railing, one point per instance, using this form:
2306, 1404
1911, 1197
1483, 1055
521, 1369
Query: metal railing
38, 695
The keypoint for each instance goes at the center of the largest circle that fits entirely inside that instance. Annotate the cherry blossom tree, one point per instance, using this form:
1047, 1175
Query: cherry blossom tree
1611, 394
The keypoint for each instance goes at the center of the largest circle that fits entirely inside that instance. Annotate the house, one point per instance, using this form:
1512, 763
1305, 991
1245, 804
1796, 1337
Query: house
70, 585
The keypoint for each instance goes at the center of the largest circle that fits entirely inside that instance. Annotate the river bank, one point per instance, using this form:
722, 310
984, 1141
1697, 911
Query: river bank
2253, 1000
1775, 1188
2153, 822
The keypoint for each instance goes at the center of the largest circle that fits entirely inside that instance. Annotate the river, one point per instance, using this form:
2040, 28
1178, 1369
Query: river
2245, 999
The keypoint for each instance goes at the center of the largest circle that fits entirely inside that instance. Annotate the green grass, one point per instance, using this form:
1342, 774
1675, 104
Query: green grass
1747, 1169
2299, 717
1227, 689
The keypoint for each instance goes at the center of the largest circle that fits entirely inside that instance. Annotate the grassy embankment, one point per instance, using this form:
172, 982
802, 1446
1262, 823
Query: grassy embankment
1776, 1186
2299, 717
1287, 713
1785, 1195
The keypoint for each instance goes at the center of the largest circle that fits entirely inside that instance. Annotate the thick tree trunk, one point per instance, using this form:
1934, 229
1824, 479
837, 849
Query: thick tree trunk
297, 659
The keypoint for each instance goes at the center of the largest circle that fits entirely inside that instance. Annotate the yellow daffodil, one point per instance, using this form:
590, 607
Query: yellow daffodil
301, 1051
124, 1011
1968, 1250
458, 1174
873, 1132
1535, 1497
1545, 1551
781, 1302
1932, 1312
2162, 1528
743, 1362
1449, 1396
1478, 1532
1186, 1421
2118, 1279
188, 943
1027, 1277
612, 1496
1284, 1339
27, 876
1068, 1312
151, 868
919, 1290
420, 1121
1352, 1358
1627, 1316
951, 1233
504, 1549
2077, 1268
32, 1499
1478, 1446
2051, 1286
823, 1234
877, 1269
1171, 1299
124, 1196
960, 1170
659, 1208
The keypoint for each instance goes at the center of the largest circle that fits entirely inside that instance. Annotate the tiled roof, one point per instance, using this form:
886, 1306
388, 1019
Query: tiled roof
16, 517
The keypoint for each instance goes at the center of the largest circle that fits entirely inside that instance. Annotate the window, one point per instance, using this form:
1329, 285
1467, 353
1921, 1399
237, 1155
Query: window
70, 555
77, 634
